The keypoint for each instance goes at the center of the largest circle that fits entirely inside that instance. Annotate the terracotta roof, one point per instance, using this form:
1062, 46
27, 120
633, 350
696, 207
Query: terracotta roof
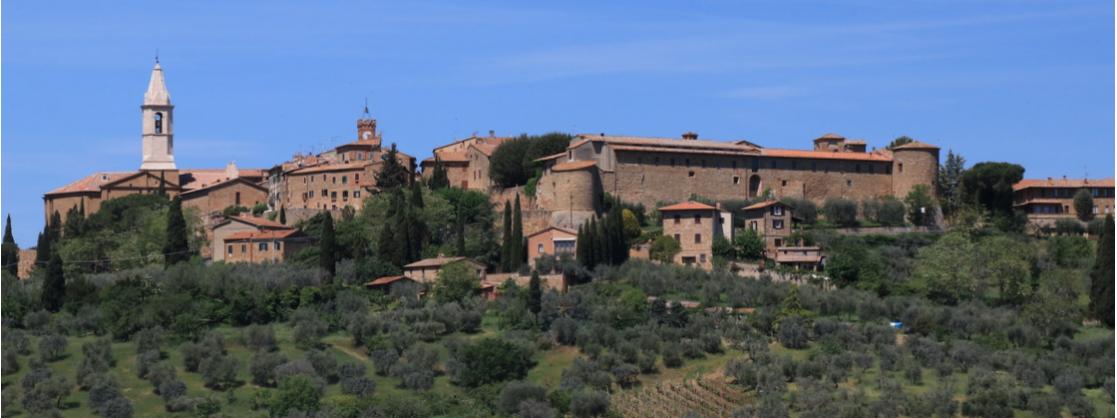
795, 255
552, 228
260, 222
638, 148
915, 145
1044, 202
332, 167
386, 280
191, 179
267, 234
572, 166
688, 205
488, 139
486, 148
223, 183
825, 155
550, 157
357, 144
665, 142
91, 183
762, 205
435, 262
451, 156
829, 136
1030, 183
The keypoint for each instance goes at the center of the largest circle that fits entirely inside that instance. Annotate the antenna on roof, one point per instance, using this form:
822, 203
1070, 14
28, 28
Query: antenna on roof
366, 106
156, 55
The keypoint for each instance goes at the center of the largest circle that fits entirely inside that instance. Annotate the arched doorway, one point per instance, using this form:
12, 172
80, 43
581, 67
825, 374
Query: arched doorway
754, 186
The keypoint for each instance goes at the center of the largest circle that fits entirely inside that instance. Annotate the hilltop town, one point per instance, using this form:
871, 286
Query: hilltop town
236, 207
582, 275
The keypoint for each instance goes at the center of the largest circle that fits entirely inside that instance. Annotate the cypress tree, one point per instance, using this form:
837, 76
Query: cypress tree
9, 250
580, 245
327, 246
74, 224
42, 248
283, 215
601, 244
439, 179
505, 245
416, 195
459, 231
54, 285
517, 249
387, 246
535, 293
392, 174
55, 227
176, 249
1102, 277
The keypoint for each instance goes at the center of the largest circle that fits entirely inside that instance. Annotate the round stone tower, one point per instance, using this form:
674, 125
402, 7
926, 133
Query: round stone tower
913, 164
570, 191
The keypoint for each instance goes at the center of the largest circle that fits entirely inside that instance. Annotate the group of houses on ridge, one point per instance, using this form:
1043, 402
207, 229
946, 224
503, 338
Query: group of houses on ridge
570, 191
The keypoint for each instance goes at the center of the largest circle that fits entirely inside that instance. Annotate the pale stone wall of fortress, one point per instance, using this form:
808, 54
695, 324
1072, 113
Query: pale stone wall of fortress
649, 179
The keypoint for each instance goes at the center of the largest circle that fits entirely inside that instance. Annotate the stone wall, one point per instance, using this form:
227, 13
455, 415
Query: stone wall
217, 199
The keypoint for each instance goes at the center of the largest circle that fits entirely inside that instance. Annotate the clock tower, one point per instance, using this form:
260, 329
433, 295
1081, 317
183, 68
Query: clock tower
158, 124
366, 129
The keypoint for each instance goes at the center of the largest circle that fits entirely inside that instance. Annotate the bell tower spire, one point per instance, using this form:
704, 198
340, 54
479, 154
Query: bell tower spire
158, 123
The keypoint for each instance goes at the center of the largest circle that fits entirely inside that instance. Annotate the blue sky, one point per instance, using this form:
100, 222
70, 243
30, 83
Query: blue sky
253, 82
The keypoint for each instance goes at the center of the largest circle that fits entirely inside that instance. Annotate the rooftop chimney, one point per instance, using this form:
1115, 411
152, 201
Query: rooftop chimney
690, 136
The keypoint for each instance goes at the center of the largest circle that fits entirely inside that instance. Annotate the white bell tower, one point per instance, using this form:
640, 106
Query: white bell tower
158, 124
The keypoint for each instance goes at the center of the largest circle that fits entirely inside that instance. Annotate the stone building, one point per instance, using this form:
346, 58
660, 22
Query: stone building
695, 225
653, 170
1047, 200
466, 161
426, 270
158, 171
231, 237
551, 241
268, 246
772, 220
341, 177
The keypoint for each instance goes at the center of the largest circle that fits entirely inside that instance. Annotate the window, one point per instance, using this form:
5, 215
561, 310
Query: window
356, 194
690, 174
697, 219
540, 250
777, 210
697, 238
752, 225
357, 178
263, 246
777, 224
333, 179
325, 192
678, 238
230, 249
900, 167
333, 195
158, 122
783, 183
238, 198
677, 218
344, 195
849, 183
277, 245
344, 180
736, 179
702, 258
312, 193
1095, 210
243, 248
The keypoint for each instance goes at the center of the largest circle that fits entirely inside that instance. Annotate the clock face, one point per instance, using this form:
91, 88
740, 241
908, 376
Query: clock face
366, 135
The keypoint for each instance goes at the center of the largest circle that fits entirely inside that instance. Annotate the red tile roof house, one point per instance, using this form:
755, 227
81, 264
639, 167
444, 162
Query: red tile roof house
233, 236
